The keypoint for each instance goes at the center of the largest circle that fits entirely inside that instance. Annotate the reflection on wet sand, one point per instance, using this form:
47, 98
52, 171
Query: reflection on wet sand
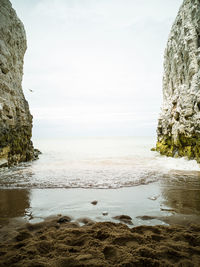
178, 195
182, 193
13, 203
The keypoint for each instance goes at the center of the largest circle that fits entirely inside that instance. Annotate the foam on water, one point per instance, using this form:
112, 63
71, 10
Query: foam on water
96, 163
177, 164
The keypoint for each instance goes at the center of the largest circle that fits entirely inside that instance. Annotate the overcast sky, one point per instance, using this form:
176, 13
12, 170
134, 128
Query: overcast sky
95, 66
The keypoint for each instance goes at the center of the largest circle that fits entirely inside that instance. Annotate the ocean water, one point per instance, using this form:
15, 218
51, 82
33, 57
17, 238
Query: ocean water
122, 174
96, 163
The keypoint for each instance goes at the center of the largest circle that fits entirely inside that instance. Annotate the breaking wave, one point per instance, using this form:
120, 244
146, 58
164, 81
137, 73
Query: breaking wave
97, 163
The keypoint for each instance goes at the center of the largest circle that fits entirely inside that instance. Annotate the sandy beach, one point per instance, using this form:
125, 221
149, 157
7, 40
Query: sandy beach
60, 242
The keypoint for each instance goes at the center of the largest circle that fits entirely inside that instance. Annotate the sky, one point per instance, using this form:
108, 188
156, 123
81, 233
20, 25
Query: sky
95, 66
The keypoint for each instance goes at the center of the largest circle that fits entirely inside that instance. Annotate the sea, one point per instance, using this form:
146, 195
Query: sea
121, 173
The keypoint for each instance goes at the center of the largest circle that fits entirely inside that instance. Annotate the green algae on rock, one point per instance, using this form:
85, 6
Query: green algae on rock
179, 123
184, 147
15, 118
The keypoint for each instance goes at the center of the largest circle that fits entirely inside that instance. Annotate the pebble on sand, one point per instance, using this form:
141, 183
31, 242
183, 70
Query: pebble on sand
64, 219
94, 202
124, 218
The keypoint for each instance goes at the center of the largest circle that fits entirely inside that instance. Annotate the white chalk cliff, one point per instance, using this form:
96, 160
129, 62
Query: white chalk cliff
179, 122
15, 117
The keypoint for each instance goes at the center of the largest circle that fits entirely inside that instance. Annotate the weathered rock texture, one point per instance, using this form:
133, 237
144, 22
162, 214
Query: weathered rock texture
179, 123
15, 118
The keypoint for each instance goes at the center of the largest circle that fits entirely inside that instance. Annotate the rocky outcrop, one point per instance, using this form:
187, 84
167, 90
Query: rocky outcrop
179, 123
15, 117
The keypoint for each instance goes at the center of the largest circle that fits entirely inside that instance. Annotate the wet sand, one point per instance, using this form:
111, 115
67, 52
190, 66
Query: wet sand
59, 242
161, 199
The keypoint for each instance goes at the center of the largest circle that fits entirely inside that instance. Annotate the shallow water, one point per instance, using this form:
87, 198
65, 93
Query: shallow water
122, 174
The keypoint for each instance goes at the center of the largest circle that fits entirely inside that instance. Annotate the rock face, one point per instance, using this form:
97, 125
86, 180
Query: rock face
15, 118
179, 123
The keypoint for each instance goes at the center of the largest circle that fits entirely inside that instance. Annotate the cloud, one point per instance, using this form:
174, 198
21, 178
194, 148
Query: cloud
95, 61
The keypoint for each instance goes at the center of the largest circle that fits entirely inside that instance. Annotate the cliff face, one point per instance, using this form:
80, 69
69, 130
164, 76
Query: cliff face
179, 123
15, 118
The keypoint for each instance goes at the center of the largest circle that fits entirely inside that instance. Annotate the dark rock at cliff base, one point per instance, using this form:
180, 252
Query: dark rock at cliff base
37, 152
179, 122
15, 118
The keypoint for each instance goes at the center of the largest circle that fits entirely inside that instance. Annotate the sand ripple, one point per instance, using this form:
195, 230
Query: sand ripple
100, 244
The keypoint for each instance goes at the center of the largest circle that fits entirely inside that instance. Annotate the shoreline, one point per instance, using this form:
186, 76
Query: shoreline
160, 203
165, 230
60, 242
